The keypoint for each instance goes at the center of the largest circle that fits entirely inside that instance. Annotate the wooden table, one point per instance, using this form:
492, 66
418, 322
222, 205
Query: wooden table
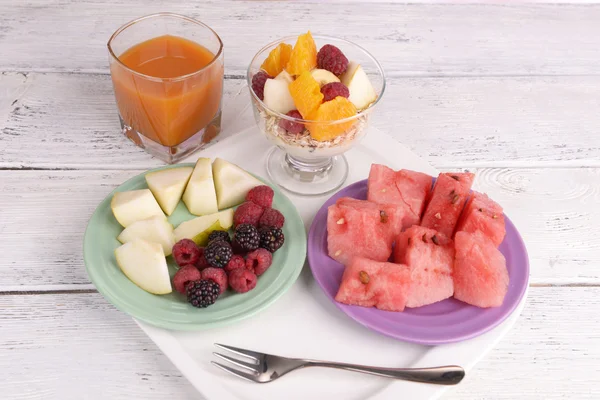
509, 91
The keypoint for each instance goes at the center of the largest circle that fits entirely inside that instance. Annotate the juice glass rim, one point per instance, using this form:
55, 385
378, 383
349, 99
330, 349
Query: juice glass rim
301, 120
164, 14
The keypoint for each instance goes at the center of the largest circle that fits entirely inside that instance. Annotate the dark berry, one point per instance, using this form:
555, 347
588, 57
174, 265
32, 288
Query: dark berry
236, 262
271, 239
186, 252
261, 195
219, 235
218, 254
202, 293
247, 237
292, 126
217, 275
186, 274
247, 213
259, 261
332, 59
241, 280
334, 89
271, 218
258, 83
202, 263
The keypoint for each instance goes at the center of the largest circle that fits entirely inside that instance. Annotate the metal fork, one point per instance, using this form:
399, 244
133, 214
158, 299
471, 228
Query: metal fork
263, 368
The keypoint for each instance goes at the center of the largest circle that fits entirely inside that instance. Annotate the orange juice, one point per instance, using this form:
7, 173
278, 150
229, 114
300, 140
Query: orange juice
168, 88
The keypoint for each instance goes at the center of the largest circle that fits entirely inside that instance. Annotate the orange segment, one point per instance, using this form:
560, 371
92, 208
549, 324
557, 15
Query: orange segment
306, 92
336, 109
277, 60
304, 55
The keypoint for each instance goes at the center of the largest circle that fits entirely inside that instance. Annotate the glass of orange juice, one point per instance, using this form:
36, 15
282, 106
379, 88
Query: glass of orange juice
167, 73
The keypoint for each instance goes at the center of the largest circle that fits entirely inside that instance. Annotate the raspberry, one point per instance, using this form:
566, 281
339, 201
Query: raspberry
186, 274
202, 293
202, 263
247, 237
186, 252
291, 126
247, 213
259, 261
236, 262
219, 235
261, 195
334, 89
271, 218
241, 280
218, 254
258, 83
217, 275
271, 239
332, 59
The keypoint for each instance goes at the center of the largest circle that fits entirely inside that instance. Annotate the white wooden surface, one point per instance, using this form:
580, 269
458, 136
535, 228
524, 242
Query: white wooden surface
511, 91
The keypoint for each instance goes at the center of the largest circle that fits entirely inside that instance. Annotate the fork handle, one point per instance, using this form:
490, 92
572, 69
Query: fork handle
445, 375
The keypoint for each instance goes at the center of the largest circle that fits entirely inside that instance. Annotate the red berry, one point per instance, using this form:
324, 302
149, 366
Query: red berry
292, 126
247, 213
217, 275
332, 59
271, 218
186, 274
241, 280
202, 263
236, 262
259, 261
186, 252
258, 83
261, 195
334, 89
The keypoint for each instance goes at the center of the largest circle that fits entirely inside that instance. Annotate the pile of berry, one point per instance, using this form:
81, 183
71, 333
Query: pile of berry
206, 272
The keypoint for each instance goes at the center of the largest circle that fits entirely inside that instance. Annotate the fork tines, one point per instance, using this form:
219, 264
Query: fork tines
250, 369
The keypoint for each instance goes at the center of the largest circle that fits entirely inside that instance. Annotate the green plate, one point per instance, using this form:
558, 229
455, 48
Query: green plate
171, 311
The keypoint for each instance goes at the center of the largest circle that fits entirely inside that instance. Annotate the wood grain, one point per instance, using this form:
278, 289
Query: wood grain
409, 39
453, 122
45, 214
69, 346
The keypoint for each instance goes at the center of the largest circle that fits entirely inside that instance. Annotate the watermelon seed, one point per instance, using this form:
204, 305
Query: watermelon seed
481, 210
435, 241
455, 177
438, 216
495, 216
455, 198
337, 253
409, 241
364, 277
340, 221
383, 190
383, 216
424, 237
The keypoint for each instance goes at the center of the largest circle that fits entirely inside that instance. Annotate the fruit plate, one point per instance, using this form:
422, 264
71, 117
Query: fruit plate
171, 311
305, 323
447, 321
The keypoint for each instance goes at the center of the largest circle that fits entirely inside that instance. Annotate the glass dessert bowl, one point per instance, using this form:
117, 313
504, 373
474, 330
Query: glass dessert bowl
313, 103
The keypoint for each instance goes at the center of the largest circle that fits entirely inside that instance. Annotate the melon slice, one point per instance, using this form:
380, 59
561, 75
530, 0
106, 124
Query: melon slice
135, 205
480, 274
429, 255
155, 230
232, 183
368, 283
391, 215
483, 214
447, 201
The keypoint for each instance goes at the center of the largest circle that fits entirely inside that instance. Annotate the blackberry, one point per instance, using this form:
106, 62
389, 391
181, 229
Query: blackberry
246, 237
271, 239
219, 235
202, 293
218, 253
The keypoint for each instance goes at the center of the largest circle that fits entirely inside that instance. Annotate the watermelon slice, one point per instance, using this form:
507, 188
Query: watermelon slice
360, 228
429, 255
405, 188
480, 274
483, 214
368, 283
447, 201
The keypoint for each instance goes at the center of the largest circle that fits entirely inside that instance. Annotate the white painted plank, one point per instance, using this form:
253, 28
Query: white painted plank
70, 121
70, 346
44, 214
409, 39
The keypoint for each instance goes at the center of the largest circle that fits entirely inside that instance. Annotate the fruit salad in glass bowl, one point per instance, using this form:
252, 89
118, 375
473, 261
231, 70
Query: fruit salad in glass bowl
313, 98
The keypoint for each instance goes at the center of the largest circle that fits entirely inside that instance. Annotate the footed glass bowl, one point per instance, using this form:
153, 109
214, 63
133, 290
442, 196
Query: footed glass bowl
299, 163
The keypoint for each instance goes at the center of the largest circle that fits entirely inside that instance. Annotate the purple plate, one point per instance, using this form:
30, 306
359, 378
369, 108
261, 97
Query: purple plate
447, 321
